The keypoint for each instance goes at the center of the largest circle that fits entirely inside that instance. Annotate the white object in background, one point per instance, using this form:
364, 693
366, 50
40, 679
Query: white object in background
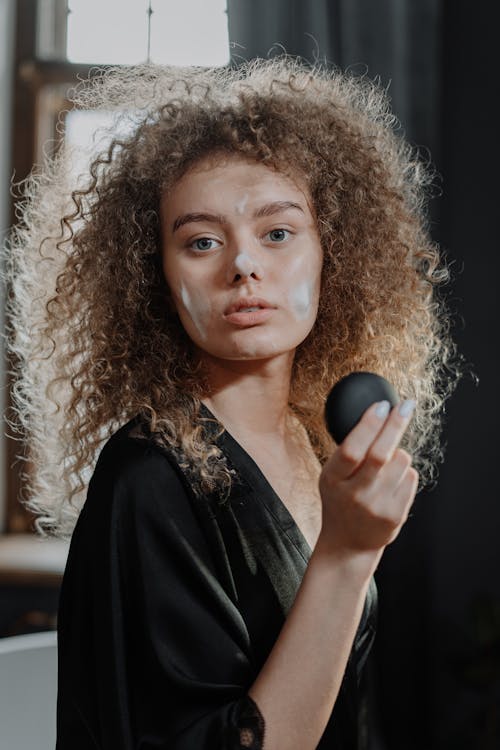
28, 691
27, 558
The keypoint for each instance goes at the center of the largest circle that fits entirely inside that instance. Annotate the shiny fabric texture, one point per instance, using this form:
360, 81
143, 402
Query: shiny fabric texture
171, 603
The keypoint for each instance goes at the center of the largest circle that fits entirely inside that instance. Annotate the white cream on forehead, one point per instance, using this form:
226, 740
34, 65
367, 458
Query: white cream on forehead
241, 205
198, 308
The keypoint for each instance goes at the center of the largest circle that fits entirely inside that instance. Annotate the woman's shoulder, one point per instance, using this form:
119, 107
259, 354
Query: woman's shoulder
139, 505
134, 470
131, 446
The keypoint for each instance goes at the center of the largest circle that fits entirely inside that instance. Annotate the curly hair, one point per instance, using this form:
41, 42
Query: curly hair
93, 335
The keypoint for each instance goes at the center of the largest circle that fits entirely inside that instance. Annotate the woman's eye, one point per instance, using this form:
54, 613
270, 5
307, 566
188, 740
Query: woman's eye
204, 243
278, 235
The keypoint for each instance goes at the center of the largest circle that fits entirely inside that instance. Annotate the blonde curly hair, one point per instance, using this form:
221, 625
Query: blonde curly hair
90, 327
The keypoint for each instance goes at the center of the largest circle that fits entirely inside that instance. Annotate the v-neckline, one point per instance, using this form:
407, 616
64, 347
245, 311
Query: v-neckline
252, 475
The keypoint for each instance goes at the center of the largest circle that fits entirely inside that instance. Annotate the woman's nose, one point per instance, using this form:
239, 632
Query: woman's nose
245, 265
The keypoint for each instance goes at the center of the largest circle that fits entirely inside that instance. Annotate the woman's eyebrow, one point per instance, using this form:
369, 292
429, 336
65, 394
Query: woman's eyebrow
189, 218
276, 207
267, 210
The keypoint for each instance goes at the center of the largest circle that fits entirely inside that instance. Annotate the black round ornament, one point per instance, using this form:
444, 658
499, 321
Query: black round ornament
351, 396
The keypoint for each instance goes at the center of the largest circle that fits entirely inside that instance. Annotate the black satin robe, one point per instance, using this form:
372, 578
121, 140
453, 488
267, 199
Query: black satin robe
171, 603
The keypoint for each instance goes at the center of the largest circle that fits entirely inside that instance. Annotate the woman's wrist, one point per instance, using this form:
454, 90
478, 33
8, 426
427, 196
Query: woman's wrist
357, 565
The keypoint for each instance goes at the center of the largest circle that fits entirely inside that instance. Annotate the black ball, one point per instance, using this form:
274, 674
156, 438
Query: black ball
351, 397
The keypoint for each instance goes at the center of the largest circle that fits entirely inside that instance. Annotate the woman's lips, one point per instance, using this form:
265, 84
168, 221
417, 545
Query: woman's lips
251, 318
246, 303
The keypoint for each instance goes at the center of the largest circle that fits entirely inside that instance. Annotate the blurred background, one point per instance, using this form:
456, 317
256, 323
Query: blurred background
434, 676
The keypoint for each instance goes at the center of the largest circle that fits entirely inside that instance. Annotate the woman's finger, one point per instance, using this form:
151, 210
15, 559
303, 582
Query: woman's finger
352, 451
403, 497
389, 477
385, 444
406, 490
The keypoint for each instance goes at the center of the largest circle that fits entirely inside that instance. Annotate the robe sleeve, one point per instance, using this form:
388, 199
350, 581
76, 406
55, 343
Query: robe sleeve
153, 654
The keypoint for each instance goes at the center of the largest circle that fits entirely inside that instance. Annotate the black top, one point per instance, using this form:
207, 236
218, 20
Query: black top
170, 604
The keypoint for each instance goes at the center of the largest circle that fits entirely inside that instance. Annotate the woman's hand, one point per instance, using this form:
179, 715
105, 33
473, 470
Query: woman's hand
367, 486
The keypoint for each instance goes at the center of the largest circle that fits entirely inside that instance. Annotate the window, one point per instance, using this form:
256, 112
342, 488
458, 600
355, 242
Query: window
171, 32
120, 32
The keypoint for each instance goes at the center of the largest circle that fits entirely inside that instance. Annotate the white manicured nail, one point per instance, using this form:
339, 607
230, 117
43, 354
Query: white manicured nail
406, 408
382, 409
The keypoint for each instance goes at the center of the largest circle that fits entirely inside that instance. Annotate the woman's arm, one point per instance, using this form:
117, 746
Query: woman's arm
367, 488
153, 653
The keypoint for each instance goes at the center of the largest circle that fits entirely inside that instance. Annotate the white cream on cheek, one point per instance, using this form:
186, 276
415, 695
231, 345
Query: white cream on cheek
198, 308
301, 292
300, 298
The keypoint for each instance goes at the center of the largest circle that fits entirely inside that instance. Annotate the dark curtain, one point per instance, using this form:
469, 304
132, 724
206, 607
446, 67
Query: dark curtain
434, 677
395, 40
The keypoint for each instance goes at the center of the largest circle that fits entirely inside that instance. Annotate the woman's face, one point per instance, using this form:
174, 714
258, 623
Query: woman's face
242, 258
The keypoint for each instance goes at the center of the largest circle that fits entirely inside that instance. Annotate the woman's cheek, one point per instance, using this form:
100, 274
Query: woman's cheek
197, 308
300, 298
303, 292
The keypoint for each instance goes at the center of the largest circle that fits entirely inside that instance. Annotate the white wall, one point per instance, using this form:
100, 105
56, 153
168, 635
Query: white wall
7, 34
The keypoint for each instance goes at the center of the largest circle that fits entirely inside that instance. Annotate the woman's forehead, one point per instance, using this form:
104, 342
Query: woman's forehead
228, 178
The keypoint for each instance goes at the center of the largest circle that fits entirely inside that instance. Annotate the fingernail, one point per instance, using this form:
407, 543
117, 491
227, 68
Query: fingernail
382, 409
406, 407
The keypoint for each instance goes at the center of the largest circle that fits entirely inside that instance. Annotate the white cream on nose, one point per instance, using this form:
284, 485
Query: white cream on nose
244, 264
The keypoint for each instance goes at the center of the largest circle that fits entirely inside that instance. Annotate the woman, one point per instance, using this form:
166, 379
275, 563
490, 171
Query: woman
256, 237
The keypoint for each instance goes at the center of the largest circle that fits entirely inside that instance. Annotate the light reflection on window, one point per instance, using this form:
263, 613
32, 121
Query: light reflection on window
190, 32
174, 32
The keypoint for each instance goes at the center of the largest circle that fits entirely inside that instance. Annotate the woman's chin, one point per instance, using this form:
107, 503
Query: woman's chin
248, 353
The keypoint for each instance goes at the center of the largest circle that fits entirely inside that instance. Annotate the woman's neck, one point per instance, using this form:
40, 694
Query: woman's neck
251, 397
